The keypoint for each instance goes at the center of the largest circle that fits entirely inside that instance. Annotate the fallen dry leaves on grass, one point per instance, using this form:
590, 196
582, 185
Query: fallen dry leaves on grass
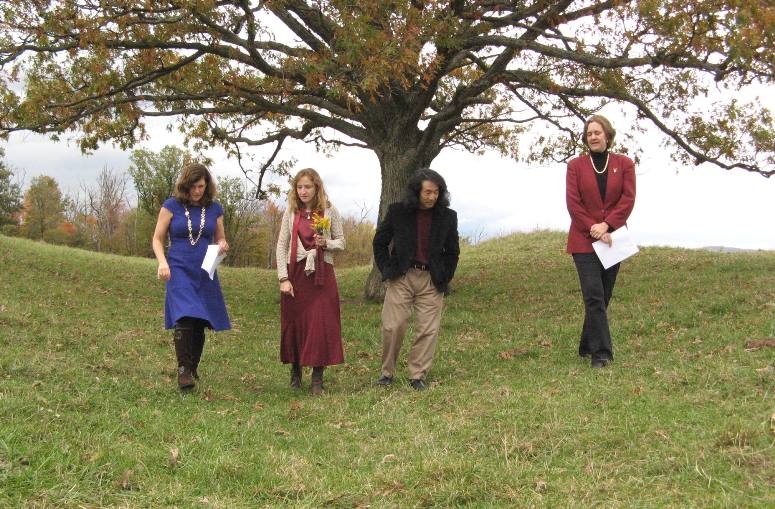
755, 344
514, 352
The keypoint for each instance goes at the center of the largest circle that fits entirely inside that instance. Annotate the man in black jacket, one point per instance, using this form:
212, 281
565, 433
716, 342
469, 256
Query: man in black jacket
417, 271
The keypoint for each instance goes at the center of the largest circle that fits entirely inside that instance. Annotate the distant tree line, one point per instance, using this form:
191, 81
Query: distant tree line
100, 217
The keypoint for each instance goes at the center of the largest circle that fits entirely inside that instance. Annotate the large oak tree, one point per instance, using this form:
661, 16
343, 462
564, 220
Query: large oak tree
405, 79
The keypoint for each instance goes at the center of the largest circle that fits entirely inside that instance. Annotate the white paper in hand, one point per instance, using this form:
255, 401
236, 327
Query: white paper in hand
212, 260
622, 247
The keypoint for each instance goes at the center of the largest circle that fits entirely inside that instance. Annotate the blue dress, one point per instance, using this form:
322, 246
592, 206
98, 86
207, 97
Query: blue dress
190, 291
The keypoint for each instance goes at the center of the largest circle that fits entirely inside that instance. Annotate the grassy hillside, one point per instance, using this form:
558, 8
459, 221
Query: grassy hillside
685, 417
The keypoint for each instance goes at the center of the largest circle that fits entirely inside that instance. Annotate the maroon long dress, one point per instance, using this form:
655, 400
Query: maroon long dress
311, 330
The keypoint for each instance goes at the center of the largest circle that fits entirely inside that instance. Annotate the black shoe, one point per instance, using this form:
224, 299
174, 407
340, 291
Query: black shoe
417, 384
584, 354
599, 363
384, 380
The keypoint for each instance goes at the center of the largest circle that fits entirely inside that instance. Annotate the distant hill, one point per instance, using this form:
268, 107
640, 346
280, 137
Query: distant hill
723, 249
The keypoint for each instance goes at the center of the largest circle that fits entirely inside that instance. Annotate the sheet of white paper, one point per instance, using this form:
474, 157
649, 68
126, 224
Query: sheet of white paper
212, 260
622, 247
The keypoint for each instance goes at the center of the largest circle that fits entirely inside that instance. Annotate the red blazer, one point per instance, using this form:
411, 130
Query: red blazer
583, 198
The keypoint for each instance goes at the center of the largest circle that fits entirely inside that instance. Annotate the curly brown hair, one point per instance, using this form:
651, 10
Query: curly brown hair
193, 173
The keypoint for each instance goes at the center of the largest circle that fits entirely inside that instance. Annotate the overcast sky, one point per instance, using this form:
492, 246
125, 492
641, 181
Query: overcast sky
675, 206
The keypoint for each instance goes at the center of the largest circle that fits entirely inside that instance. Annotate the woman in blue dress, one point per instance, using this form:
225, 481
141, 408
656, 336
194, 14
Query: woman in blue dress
193, 220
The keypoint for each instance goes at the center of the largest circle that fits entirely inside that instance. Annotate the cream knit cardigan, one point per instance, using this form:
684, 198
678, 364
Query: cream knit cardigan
334, 242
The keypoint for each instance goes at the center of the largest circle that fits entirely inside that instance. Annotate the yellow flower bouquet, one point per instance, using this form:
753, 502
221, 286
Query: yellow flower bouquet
321, 225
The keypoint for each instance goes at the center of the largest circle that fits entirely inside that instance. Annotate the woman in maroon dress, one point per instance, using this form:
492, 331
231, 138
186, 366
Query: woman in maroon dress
311, 331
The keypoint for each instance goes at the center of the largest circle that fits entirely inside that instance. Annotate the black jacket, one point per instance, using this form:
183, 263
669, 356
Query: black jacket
400, 226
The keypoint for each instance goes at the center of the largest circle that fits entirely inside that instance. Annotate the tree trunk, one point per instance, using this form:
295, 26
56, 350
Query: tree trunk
398, 160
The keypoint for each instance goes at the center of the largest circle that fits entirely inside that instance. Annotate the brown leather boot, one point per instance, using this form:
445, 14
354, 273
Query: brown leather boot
296, 376
185, 379
183, 347
317, 380
198, 345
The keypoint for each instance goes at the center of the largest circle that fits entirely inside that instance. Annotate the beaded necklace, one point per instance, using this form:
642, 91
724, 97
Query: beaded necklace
201, 226
604, 167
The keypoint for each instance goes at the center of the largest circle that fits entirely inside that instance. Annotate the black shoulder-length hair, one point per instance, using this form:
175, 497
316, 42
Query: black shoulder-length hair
414, 186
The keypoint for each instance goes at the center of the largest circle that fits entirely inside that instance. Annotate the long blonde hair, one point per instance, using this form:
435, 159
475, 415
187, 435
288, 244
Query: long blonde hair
319, 202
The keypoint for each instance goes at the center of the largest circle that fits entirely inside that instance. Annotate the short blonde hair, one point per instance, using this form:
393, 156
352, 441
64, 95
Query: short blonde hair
608, 129
319, 202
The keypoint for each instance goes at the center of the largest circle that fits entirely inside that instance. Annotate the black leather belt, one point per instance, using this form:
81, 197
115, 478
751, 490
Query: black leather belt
419, 266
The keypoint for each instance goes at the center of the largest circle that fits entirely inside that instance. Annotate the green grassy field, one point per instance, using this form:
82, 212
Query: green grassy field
90, 415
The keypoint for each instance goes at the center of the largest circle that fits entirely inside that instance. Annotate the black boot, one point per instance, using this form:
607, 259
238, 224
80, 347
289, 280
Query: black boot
198, 345
317, 380
296, 376
183, 347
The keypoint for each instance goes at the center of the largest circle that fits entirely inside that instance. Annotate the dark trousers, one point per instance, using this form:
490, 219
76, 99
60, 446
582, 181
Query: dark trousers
597, 286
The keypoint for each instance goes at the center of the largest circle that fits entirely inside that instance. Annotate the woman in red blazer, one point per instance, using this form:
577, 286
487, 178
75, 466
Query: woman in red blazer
600, 193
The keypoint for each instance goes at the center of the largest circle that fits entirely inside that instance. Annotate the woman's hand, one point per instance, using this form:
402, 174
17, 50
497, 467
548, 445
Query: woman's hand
320, 241
163, 272
286, 288
223, 246
606, 237
598, 230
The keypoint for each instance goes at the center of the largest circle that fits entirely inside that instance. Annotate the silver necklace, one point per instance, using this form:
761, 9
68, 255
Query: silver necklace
201, 226
604, 167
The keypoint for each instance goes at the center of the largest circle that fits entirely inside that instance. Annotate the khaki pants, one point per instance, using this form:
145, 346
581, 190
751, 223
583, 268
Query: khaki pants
413, 290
